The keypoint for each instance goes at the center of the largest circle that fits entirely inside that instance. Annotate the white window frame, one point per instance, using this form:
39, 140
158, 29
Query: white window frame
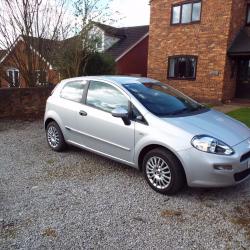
181, 6
38, 83
13, 70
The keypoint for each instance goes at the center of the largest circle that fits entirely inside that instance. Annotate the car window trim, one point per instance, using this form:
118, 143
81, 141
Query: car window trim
85, 92
145, 122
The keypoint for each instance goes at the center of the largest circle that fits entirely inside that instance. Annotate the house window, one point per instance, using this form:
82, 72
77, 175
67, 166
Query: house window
41, 77
100, 43
182, 67
97, 39
185, 13
248, 14
13, 77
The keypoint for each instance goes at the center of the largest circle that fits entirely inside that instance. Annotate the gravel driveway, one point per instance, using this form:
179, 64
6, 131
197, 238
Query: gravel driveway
77, 200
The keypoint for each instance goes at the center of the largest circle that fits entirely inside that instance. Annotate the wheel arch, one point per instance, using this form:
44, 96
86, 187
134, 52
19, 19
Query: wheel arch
53, 116
150, 147
47, 121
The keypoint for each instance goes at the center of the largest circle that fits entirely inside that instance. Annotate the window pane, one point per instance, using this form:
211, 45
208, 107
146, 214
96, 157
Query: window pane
190, 67
176, 14
11, 75
248, 15
16, 78
105, 97
244, 72
196, 12
186, 13
172, 63
73, 91
182, 67
40, 76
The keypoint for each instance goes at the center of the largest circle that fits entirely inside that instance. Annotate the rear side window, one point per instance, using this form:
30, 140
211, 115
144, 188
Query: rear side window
73, 91
105, 97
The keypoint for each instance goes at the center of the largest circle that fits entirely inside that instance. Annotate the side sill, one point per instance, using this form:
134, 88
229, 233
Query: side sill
103, 154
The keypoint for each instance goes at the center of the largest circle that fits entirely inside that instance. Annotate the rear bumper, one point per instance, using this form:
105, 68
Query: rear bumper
202, 168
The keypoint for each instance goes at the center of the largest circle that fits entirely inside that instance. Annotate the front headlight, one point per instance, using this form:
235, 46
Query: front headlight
211, 145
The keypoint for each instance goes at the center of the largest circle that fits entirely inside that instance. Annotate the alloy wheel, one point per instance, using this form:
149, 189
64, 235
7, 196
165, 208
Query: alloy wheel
53, 137
158, 172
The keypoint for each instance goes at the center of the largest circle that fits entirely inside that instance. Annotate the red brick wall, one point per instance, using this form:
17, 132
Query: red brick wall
135, 61
209, 40
23, 103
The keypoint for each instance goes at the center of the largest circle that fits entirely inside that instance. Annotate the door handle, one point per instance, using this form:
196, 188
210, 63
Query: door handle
83, 113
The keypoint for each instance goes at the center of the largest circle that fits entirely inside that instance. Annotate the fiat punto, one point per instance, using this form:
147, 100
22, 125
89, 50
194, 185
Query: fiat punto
149, 125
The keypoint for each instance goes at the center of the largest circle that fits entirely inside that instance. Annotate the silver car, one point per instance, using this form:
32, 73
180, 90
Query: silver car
148, 125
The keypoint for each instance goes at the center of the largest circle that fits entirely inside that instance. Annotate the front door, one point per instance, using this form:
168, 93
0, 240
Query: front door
98, 129
243, 79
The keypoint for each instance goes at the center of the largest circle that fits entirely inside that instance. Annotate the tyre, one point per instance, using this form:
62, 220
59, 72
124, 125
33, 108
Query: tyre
163, 172
55, 137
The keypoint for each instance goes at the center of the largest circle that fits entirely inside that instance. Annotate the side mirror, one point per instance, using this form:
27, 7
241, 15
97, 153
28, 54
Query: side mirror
122, 113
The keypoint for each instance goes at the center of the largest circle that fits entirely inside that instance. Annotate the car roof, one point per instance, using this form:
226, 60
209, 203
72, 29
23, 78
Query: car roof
116, 79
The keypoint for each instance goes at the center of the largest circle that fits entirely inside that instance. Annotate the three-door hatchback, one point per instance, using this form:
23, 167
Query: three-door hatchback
150, 126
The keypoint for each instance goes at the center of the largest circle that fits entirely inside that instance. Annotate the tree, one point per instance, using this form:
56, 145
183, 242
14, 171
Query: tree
36, 26
99, 64
76, 51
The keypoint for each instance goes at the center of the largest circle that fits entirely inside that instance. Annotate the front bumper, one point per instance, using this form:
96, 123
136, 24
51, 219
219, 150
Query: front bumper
201, 168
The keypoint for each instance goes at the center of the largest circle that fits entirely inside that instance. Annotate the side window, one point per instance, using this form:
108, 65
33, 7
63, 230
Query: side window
105, 97
73, 91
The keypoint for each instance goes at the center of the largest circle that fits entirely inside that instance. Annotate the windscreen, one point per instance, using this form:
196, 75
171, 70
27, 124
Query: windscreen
162, 100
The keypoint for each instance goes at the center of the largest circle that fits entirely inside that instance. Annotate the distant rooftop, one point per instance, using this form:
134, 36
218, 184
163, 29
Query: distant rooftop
128, 37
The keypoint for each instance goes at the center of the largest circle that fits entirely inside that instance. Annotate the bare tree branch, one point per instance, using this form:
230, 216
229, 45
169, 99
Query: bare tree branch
36, 26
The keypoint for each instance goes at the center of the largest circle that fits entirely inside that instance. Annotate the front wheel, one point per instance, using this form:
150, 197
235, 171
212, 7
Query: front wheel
55, 137
163, 171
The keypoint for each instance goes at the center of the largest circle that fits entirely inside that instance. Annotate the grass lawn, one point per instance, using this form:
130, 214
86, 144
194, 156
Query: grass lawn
242, 114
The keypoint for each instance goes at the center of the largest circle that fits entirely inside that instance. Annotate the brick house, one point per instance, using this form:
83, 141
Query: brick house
10, 69
201, 47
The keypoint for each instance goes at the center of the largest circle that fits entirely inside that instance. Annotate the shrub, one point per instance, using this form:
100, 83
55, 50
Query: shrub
100, 64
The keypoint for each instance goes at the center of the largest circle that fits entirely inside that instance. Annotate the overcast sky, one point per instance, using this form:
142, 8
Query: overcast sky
133, 12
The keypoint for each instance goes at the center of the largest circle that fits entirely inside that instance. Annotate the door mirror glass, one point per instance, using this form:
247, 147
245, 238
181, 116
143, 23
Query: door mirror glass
120, 112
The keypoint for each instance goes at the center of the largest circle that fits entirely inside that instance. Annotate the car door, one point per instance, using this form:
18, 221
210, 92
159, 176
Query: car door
98, 129
68, 104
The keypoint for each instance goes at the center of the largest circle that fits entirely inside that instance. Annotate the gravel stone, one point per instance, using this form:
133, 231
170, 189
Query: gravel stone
78, 200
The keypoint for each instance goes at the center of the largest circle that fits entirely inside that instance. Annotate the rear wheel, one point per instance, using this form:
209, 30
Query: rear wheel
55, 137
163, 171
